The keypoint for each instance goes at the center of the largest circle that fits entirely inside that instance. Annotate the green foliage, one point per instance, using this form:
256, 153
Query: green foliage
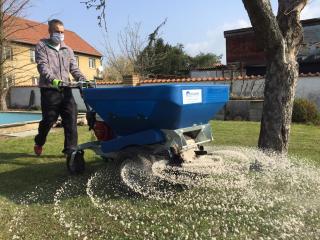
160, 58
205, 60
305, 111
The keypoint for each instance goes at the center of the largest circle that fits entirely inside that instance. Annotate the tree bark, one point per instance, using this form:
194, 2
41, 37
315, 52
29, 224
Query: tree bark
281, 37
9, 10
3, 105
3, 101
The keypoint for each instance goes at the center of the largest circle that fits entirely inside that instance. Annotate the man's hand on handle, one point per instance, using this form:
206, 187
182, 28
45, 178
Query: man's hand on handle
56, 83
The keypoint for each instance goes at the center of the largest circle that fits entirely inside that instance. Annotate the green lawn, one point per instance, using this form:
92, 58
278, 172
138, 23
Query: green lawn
304, 139
39, 200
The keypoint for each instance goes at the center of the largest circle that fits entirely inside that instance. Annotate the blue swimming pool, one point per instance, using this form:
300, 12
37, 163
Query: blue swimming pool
8, 118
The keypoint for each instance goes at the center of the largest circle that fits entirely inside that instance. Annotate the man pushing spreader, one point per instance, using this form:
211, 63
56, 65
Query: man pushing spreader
55, 61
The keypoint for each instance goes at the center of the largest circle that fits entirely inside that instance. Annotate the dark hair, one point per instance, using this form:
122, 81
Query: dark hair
53, 22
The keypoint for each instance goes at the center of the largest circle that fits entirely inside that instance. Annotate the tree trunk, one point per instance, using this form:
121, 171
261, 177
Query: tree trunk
280, 84
281, 37
3, 101
3, 105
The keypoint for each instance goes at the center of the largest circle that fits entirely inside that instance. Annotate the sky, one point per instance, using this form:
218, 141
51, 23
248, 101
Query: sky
198, 25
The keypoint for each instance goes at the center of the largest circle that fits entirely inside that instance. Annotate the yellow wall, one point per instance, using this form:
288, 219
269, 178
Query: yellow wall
20, 67
23, 70
90, 73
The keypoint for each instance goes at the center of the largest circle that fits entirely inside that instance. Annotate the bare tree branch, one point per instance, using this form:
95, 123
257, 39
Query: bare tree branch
9, 11
99, 5
264, 22
130, 45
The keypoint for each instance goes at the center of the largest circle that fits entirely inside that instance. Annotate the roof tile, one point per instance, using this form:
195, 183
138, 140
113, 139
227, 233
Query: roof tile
210, 79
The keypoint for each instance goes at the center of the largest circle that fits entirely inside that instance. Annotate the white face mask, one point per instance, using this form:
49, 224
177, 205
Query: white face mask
57, 37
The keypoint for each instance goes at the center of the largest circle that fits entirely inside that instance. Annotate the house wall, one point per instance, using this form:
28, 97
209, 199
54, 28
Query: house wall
242, 45
245, 49
90, 73
20, 67
23, 69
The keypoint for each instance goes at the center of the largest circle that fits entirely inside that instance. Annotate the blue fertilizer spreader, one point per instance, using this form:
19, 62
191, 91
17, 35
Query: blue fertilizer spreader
165, 119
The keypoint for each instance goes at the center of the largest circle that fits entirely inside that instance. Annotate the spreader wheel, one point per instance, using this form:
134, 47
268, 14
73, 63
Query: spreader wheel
75, 162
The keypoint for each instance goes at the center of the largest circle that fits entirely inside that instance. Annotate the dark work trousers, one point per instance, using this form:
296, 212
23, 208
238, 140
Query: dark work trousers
56, 102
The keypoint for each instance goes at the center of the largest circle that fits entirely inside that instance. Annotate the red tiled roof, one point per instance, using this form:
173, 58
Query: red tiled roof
205, 79
109, 83
188, 80
216, 79
30, 32
310, 74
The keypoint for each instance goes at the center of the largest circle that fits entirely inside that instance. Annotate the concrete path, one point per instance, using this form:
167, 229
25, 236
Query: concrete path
22, 134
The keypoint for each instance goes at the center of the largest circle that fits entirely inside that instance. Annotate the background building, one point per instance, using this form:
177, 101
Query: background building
20, 52
245, 52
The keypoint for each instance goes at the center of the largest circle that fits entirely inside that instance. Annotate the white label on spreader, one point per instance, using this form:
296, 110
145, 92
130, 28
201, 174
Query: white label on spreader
191, 96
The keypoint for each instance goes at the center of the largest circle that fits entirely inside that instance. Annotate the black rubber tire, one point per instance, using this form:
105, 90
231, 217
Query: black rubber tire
77, 166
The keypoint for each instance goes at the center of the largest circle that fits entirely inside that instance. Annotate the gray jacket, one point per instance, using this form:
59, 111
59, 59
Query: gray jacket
53, 64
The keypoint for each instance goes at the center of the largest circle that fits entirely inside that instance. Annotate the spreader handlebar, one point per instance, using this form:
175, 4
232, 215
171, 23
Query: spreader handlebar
79, 84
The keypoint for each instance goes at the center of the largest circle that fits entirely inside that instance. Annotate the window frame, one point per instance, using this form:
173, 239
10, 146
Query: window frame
92, 63
35, 80
9, 81
7, 55
76, 57
32, 55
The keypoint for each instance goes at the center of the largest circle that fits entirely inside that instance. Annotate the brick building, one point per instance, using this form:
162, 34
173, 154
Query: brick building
245, 52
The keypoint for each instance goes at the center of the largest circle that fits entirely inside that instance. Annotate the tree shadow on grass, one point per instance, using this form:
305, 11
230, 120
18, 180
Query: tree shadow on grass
37, 183
11, 158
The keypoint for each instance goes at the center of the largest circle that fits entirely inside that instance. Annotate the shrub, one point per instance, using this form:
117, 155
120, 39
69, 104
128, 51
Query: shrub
305, 111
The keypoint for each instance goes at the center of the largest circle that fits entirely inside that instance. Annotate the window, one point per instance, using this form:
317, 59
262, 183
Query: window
35, 80
92, 63
32, 55
7, 53
77, 60
9, 81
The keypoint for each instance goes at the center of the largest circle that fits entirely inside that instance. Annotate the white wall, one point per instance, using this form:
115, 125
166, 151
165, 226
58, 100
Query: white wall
20, 97
307, 87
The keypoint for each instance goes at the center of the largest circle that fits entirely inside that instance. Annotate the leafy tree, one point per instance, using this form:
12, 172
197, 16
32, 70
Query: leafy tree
163, 59
205, 60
